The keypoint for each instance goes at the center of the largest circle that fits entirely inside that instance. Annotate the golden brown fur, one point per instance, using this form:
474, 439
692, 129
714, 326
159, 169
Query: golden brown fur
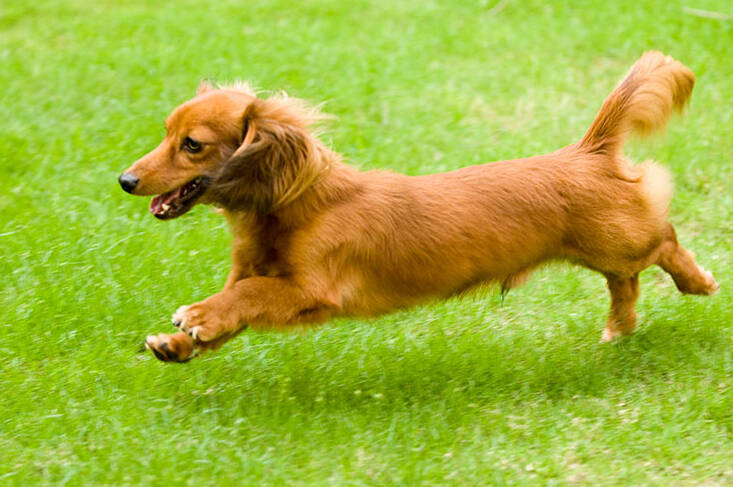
314, 238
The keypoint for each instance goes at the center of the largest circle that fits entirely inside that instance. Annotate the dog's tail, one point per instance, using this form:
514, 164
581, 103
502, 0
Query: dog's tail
641, 103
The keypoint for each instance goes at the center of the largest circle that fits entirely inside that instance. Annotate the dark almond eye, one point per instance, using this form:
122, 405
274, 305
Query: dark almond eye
190, 145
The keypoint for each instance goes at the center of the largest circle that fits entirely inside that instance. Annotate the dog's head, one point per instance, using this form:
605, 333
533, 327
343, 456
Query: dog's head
228, 147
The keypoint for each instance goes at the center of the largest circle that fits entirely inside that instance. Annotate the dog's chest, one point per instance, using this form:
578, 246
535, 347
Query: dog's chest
273, 243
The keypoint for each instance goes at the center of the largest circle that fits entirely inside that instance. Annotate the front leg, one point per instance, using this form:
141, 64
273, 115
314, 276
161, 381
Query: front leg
208, 319
255, 301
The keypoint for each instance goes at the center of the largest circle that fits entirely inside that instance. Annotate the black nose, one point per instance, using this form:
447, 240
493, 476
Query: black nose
128, 182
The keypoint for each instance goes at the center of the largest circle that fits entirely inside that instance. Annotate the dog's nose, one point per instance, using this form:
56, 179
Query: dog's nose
128, 182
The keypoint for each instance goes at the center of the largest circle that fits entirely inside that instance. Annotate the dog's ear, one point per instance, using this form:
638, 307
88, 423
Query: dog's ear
204, 86
278, 159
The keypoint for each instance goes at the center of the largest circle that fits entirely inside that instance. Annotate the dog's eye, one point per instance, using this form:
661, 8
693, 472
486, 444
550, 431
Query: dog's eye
190, 145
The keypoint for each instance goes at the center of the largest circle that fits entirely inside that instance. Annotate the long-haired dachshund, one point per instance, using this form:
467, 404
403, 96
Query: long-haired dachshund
315, 238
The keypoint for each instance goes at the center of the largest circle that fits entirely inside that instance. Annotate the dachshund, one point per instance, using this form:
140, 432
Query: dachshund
314, 238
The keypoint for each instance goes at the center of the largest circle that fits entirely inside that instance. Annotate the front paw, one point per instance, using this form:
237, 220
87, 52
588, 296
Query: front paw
179, 317
172, 348
200, 322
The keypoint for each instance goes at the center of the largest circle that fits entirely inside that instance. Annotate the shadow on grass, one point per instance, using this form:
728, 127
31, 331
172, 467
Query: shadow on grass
454, 371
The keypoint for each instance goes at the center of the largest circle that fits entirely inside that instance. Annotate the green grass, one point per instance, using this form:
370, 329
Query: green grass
463, 392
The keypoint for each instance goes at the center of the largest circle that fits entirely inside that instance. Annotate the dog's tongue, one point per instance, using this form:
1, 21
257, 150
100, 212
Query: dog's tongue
156, 205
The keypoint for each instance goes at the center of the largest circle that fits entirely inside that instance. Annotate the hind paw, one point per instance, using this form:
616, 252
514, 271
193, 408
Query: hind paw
710, 287
612, 333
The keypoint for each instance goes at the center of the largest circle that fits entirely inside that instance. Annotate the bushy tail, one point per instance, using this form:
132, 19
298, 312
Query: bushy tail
641, 103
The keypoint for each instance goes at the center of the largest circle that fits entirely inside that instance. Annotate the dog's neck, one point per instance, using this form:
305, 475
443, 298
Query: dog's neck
337, 182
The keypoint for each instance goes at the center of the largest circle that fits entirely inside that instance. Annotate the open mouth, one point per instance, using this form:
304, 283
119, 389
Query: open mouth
177, 202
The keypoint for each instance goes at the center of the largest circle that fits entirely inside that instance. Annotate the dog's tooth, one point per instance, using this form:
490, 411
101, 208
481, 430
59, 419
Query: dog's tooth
165, 207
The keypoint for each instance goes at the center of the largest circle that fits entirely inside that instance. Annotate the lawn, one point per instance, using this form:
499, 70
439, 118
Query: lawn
473, 391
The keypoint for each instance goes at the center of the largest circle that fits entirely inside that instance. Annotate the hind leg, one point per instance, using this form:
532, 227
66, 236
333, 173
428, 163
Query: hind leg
622, 318
689, 277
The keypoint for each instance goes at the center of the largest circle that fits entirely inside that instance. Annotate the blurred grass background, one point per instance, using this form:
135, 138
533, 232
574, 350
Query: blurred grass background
469, 391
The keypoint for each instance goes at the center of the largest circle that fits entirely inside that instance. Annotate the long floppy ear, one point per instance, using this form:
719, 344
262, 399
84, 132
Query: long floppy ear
278, 160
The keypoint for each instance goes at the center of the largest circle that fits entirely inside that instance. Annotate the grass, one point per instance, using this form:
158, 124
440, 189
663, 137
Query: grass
470, 391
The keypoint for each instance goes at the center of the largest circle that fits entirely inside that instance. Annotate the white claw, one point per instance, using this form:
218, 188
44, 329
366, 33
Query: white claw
179, 316
195, 332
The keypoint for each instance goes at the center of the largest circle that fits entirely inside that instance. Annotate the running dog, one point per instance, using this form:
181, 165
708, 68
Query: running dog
314, 238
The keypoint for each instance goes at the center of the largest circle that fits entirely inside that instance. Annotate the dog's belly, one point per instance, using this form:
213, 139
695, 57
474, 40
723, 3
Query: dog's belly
394, 282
